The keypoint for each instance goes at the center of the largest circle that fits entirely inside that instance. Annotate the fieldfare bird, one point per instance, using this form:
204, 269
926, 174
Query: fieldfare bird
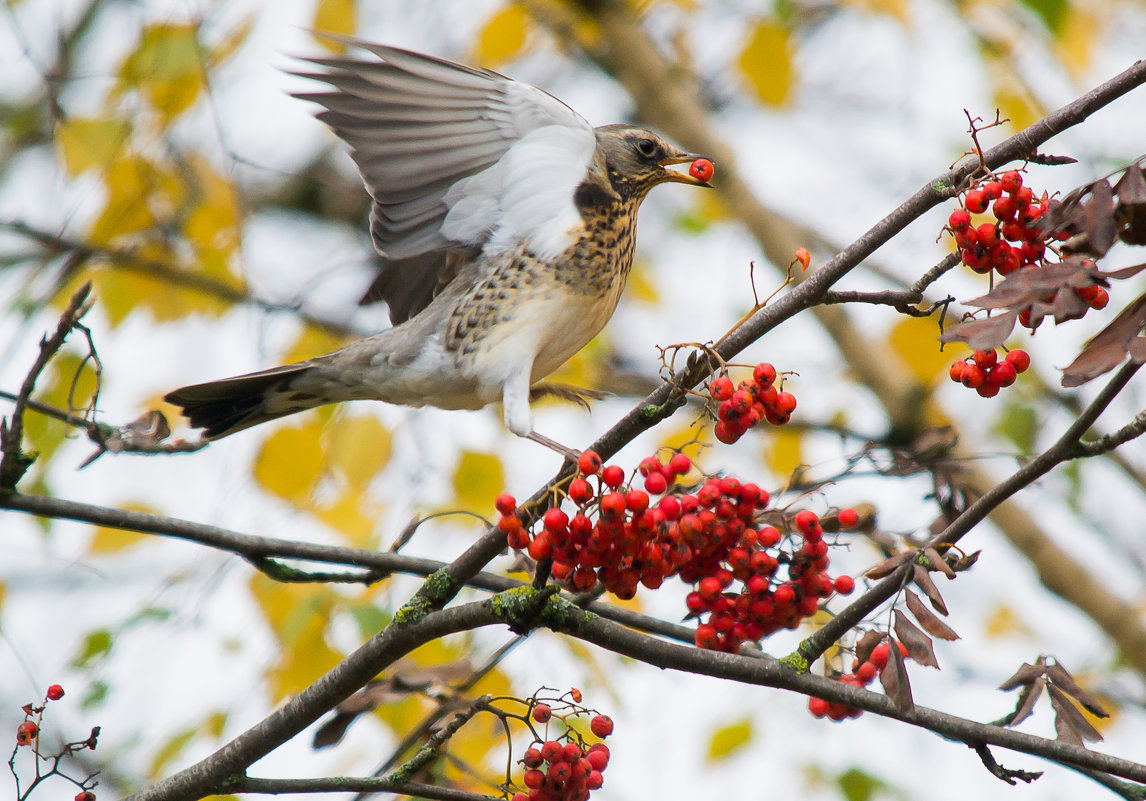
506, 227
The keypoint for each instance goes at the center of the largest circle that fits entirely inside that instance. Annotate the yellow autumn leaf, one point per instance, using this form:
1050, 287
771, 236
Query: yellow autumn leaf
290, 462
353, 514
894, 8
1077, 36
230, 44
641, 286
502, 37
687, 438
213, 224
478, 478
358, 448
110, 540
169, 749
166, 67
784, 451
1015, 101
334, 16
298, 615
1003, 622
729, 739
766, 62
916, 341
88, 143
67, 383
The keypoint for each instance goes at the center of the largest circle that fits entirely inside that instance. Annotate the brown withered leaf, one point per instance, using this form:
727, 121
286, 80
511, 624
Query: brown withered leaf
1024, 675
1109, 347
1069, 724
1026, 287
938, 563
895, 683
1131, 211
1099, 220
990, 332
866, 644
965, 562
918, 644
889, 565
923, 581
1062, 679
1125, 272
1025, 705
927, 619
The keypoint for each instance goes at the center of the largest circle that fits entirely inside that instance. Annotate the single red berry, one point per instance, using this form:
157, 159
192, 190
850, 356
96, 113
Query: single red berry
555, 519
987, 389
720, 388
542, 713
560, 772
601, 725
785, 403
988, 235
613, 505
866, 672
85, 795
680, 464
55, 692
532, 758
594, 780
879, 655
702, 170
973, 376
1004, 208
520, 797
975, 201
706, 637
806, 520
1011, 181
1020, 359
726, 432
986, 358
26, 732
1023, 196
764, 374
991, 189
848, 517
541, 547
959, 220
1002, 374
571, 752
589, 463
533, 779
579, 491
818, 707
509, 523
975, 258
552, 751
613, 476
844, 585
956, 371
505, 503
656, 483
636, 500
1100, 299
598, 756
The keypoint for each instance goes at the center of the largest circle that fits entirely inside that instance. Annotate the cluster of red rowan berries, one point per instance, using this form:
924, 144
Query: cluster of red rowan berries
986, 374
1013, 240
863, 673
708, 538
563, 768
1009, 242
743, 407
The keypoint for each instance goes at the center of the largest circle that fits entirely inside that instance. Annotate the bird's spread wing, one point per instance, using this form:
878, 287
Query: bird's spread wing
454, 157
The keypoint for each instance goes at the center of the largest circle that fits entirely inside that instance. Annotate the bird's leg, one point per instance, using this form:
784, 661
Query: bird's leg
569, 453
519, 418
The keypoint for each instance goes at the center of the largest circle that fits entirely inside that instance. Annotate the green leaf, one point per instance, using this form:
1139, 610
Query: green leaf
95, 645
1020, 425
856, 785
729, 739
1052, 12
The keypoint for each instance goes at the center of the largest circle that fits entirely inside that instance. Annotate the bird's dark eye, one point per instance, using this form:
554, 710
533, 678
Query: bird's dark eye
646, 147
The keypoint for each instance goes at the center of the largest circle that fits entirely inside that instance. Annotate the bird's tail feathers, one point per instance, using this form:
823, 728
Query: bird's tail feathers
231, 404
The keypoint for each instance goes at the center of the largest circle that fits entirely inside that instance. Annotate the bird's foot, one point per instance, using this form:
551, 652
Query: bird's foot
569, 453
